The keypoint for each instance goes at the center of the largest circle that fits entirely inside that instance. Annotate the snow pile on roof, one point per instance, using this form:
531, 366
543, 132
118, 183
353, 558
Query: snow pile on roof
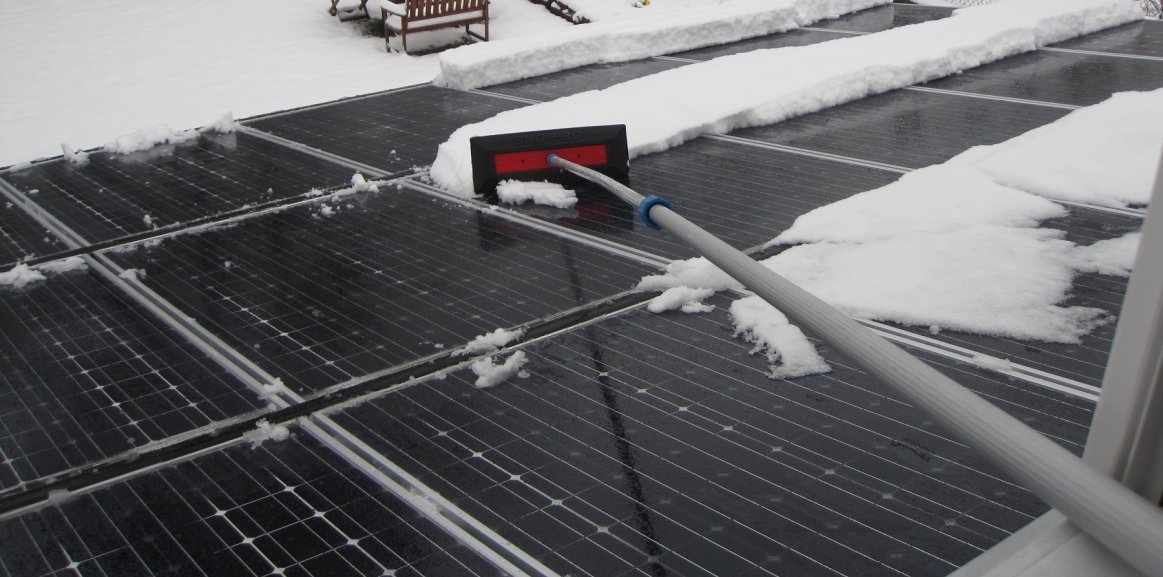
789, 353
541, 193
1105, 155
949, 247
23, 275
634, 35
666, 109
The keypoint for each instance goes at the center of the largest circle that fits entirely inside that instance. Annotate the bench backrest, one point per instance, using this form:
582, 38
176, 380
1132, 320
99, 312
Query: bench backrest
421, 9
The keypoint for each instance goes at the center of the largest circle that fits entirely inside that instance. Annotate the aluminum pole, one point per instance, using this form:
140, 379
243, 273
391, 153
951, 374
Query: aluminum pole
1120, 519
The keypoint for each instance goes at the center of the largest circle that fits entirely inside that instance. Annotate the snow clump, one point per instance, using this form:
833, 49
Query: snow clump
23, 275
490, 374
264, 431
542, 193
489, 342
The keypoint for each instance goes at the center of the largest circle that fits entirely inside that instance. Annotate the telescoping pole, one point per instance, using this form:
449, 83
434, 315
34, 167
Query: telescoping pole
1120, 519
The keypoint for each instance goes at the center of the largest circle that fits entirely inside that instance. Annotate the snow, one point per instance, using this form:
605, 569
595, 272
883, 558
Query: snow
987, 280
688, 299
789, 353
361, 184
84, 73
633, 34
1115, 257
1105, 155
950, 248
930, 200
136, 274
541, 193
76, 157
264, 431
72, 263
489, 342
20, 276
666, 109
490, 374
23, 275
992, 363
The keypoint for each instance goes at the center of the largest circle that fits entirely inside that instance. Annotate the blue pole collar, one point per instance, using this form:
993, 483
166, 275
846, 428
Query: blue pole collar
648, 203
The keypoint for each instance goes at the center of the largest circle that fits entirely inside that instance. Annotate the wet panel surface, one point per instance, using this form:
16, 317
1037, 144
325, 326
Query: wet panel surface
288, 508
117, 195
1143, 38
568, 82
781, 40
658, 444
385, 279
886, 17
85, 374
742, 194
1063, 78
906, 128
395, 131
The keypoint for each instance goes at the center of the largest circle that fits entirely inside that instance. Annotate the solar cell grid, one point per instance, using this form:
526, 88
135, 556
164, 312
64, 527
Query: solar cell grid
86, 375
395, 131
906, 128
886, 17
21, 236
742, 194
1064, 78
649, 442
1138, 39
290, 508
388, 279
117, 195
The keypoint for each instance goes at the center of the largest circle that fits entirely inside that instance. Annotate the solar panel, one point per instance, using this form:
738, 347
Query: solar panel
657, 443
21, 236
388, 279
118, 195
886, 17
86, 374
906, 127
1060, 77
1135, 39
287, 508
394, 131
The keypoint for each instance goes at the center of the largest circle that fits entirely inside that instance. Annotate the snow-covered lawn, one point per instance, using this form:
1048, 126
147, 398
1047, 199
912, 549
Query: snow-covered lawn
85, 73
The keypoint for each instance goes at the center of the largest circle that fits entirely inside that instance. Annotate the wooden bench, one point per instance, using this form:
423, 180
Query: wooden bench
420, 15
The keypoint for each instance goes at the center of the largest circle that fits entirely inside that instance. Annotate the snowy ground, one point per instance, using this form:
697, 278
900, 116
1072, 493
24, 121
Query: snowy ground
85, 73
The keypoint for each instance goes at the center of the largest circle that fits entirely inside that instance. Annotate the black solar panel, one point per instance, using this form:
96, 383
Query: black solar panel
86, 374
907, 128
572, 81
886, 17
743, 194
395, 131
118, 195
1137, 39
286, 508
657, 444
388, 279
21, 236
1060, 77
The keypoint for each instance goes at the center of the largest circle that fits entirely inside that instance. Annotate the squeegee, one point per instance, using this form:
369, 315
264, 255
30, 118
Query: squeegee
524, 155
1110, 512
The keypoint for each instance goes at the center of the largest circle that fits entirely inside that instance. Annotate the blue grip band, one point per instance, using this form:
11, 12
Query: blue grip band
648, 203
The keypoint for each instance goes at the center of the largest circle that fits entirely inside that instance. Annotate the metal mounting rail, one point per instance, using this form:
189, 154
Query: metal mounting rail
1114, 515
